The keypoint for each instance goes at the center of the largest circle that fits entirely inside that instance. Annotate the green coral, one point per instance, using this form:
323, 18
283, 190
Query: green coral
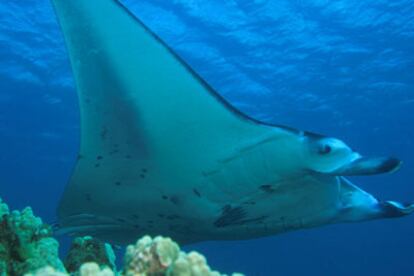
4, 209
88, 249
25, 243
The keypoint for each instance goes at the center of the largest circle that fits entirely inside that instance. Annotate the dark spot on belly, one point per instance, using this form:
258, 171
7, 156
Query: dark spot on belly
80, 156
164, 197
118, 183
121, 220
161, 215
142, 175
144, 170
135, 216
196, 192
136, 226
97, 165
112, 152
99, 157
88, 197
103, 133
175, 199
128, 156
231, 216
173, 217
267, 188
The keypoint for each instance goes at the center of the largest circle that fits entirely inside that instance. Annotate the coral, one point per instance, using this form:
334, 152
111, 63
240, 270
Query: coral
162, 256
150, 256
27, 248
191, 264
4, 209
25, 243
93, 269
47, 271
88, 249
87, 269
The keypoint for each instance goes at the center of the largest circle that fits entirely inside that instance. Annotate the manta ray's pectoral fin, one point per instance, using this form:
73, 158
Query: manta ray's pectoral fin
145, 116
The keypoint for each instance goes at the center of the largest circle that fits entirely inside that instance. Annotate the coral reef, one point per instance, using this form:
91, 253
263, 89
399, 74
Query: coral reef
25, 243
46, 271
86, 269
27, 248
88, 249
162, 256
151, 256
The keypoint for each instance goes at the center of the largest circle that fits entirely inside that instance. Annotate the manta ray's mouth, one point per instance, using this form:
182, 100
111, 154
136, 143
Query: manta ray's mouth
369, 166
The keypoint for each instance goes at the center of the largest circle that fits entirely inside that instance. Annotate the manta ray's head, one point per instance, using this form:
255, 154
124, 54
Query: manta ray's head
332, 156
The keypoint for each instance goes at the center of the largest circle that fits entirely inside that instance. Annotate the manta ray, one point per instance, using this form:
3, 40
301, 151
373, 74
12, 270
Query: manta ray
162, 153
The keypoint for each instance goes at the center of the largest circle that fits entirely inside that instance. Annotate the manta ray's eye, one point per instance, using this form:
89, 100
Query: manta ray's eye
325, 149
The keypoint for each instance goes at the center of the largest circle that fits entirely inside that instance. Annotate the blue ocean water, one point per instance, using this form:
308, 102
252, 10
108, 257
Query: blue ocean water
342, 68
